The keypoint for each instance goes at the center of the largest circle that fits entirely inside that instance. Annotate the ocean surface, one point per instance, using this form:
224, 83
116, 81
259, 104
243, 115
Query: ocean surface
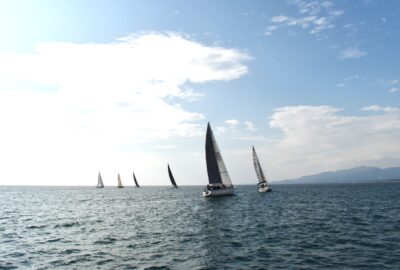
347, 226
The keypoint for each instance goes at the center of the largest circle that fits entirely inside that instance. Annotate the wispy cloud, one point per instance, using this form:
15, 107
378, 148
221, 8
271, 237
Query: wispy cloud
164, 147
249, 126
351, 53
377, 108
394, 90
313, 16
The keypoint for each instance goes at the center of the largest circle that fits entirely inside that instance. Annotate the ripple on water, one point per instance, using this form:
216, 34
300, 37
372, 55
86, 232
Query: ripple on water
295, 227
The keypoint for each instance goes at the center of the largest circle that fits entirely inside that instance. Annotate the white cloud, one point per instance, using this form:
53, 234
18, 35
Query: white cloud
270, 30
351, 53
340, 85
220, 130
232, 123
377, 108
337, 12
249, 126
79, 104
279, 19
320, 138
394, 90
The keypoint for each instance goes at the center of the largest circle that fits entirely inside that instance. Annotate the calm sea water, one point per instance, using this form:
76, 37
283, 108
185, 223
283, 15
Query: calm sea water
293, 227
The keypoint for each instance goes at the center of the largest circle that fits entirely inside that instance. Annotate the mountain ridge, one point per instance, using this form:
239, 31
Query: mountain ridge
359, 174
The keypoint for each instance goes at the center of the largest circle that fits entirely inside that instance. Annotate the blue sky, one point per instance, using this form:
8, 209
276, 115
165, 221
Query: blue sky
118, 86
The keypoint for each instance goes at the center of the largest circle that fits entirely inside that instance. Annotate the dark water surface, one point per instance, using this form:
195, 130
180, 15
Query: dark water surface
293, 227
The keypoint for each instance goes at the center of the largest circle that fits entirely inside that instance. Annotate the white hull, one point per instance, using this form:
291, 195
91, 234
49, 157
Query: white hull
219, 192
264, 189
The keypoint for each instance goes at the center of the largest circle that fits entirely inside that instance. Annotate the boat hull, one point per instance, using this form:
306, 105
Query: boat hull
264, 189
219, 192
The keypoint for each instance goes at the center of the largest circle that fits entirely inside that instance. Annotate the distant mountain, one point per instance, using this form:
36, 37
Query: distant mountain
353, 175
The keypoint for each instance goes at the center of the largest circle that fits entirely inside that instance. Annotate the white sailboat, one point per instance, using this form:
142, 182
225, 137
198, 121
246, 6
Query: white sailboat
220, 183
99, 182
119, 182
262, 180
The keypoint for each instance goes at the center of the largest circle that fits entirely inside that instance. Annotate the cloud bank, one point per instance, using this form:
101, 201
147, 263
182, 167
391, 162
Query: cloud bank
320, 138
77, 98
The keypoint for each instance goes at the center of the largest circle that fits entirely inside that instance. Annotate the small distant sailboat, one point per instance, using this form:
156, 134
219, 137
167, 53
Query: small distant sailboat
220, 183
171, 177
262, 180
134, 179
99, 182
119, 182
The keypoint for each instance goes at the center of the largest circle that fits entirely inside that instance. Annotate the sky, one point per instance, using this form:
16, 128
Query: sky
122, 86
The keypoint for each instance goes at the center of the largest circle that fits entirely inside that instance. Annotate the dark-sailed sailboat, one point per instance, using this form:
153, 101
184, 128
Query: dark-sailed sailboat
134, 179
262, 180
220, 183
171, 177
99, 182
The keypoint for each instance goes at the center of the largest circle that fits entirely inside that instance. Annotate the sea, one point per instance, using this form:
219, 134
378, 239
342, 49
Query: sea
335, 226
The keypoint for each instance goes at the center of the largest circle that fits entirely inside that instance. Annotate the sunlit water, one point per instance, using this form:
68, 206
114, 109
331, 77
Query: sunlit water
293, 227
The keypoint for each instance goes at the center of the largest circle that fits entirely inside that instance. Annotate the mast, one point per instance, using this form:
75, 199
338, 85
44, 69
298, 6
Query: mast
216, 169
99, 182
134, 179
171, 177
120, 182
257, 167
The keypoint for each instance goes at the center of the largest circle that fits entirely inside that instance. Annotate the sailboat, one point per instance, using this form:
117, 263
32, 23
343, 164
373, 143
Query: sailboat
99, 182
119, 182
134, 179
220, 183
262, 180
171, 177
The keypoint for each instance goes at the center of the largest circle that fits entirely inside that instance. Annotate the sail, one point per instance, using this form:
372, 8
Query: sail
217, 173
257, 167
119, 181
171, 177
134, 179
99, 181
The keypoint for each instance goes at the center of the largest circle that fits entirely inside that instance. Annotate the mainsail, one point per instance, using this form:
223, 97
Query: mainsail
171, 177
257, 167
120, 182
99, 182
134, 179
217, 173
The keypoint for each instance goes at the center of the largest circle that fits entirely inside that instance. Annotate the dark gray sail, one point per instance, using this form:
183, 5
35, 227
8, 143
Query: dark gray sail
134, 179
171, 177
217, 173
257, 167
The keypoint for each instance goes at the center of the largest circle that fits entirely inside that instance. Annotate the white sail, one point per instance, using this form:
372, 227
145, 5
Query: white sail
120, 182
212, 151
260, 174
99, 181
